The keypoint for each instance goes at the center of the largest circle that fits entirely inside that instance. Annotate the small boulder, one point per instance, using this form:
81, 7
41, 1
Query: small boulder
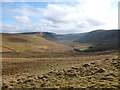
86, 65
106, 59
4, 86
43, 84
100, 71
105, 78
76, 68
27, 81
93, 63
111, 74
40, 77
12, 81
46, 76
29, 76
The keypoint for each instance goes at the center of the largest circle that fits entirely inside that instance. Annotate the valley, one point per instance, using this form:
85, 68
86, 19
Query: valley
45, 60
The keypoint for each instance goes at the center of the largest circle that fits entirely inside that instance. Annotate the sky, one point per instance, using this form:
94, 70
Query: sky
59, 17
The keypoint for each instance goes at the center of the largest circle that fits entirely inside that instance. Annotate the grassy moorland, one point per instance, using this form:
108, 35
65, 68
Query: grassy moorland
29, 43
32, 61
66, 72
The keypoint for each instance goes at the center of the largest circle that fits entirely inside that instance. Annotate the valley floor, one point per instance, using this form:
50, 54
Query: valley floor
48, 72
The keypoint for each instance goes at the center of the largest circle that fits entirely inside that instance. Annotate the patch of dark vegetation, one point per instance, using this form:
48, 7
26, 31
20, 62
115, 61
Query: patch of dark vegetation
17, 40
95, 50
76, 49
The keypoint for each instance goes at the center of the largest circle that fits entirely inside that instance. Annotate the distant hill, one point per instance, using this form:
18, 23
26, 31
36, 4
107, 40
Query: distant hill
98, 35
101, 40
46, 35
98, 40
72, 36
30, 43
53, 36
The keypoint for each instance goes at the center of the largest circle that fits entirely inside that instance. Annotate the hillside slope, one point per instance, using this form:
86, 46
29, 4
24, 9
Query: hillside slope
72, 36
98, 35
101, 40
45, 35
30, 43
54, 37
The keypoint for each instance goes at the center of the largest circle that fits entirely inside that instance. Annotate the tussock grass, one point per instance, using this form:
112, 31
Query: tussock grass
97, 74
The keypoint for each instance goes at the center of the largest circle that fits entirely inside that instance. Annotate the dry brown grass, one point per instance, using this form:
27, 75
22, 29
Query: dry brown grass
57, 72
21, 43
19, 67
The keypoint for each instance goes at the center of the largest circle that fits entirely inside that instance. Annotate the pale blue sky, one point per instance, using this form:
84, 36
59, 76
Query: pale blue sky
59, 17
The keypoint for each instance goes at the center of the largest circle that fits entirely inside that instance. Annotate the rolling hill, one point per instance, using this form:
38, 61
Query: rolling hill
54, 37
72, 36
30, 43
66, 39
100, 40
46, 35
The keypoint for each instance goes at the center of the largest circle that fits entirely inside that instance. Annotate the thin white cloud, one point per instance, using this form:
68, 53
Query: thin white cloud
102, 10
25, 10
66, 18
22, 19
9, 28
83, 16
